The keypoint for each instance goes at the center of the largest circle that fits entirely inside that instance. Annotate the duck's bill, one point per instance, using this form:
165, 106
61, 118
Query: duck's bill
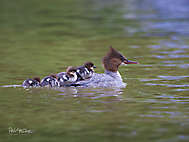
130, 62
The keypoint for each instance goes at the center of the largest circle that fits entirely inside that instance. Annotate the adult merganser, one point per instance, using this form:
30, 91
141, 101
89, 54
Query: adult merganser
86, 71
49, 81
111, 77
68, 77
29, 83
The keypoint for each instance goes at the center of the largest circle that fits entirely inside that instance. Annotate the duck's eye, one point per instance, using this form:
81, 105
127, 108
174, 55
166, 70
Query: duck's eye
123, 58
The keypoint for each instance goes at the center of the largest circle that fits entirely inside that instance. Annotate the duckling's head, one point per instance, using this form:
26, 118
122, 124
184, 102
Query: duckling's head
89, 66
71, 71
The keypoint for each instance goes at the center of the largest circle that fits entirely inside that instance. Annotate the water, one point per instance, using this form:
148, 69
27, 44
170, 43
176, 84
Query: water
42, 37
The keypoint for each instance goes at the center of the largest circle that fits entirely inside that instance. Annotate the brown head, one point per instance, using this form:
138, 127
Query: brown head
37, 79
71, 71
114, 59
53, 75
89, 66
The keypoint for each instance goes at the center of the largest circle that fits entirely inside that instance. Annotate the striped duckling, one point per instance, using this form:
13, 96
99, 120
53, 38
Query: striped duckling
50, 81
86, 71
29, 83
68, 77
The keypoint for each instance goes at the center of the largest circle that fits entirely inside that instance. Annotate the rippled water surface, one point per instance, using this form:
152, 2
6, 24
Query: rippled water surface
42, 37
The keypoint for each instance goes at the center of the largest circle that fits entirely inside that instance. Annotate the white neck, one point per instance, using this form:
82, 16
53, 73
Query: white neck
113, 74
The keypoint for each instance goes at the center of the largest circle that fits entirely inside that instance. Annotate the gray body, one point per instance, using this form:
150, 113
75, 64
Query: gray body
106, 80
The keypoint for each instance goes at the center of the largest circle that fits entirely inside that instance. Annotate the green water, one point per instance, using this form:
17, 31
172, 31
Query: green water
42, 37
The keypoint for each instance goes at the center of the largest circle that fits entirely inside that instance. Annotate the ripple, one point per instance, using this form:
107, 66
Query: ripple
155, 46
178, 56
170, 65
176, 97
159, 56
170, 56
152, 79
134, 46
170, 62
183, 137
167, 85
184, 66
97, 111
181, 90
152, 115
173, 77
162, 77
14, 86
171, 52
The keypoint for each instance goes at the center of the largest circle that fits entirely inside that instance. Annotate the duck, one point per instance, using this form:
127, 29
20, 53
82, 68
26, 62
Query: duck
29, 83
49, 81
86, 71
111, 77
68, 77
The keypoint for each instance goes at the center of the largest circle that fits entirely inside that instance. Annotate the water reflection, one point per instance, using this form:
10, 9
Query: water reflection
92, 93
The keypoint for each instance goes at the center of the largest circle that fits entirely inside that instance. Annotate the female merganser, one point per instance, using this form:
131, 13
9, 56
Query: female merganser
29, 83
111, 77
86, 71
68, 77
49, 81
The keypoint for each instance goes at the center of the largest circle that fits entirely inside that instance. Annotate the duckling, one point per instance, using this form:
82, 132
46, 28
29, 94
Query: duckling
68, 77
29, 83
86, 71
50, 81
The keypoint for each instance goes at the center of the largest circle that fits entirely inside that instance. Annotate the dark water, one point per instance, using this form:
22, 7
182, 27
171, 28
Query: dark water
42, 37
